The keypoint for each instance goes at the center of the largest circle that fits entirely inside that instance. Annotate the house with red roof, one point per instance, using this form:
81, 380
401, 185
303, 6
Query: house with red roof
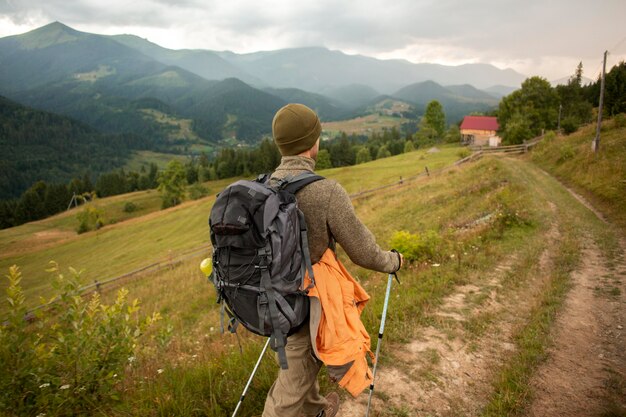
480, 131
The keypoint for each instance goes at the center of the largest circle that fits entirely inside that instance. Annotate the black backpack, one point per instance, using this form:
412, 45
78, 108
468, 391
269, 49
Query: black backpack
260, 255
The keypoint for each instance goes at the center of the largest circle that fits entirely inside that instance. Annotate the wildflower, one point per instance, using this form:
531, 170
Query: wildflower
41, 415
46, 385
114, 375
66, 386
452, 256
436, 264
194, 356
159, 371
81, 389
131, 359
212, 329
223, 373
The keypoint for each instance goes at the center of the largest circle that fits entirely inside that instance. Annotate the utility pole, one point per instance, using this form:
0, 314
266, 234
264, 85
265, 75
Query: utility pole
560, 109
595, 145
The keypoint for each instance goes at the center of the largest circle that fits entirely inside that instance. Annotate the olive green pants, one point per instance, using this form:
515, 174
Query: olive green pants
296, 391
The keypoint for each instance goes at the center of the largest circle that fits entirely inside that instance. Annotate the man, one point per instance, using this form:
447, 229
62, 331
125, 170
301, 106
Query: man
330, 218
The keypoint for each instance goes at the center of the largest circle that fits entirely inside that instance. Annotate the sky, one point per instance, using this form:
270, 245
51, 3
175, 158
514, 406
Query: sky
534, 37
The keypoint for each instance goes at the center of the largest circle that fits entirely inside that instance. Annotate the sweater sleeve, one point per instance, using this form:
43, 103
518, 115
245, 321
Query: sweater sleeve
354, 237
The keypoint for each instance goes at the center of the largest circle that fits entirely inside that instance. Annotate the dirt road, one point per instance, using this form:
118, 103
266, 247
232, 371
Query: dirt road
450, 368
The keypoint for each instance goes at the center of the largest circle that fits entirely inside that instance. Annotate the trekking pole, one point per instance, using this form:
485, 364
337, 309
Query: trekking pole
380, 338
245, 390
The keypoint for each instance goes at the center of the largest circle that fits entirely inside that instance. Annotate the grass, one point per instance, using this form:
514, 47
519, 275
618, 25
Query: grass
203, 371
511, 389
145, 158
600, 177
363, 125
150, 235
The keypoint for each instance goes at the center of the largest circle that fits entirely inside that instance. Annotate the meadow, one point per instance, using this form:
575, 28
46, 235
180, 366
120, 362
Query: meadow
495, 216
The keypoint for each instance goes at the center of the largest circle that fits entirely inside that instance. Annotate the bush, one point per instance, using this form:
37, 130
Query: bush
463, 153
89, 218
417, 247
130, 207
197, 191
566, 152
569, 125
69, 363
620, 120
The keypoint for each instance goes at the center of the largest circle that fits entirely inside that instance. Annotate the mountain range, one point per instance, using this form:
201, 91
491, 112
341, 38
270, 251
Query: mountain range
177, 100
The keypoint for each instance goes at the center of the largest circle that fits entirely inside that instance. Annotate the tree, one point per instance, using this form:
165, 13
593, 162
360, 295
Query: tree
435, 117
517, 129
453, 135
426, 134
536, 102
172, 183
576, 110
363, 155
408, 146
383, 152
323, 159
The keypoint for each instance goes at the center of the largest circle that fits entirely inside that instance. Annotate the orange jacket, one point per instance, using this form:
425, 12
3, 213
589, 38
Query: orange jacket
338, 335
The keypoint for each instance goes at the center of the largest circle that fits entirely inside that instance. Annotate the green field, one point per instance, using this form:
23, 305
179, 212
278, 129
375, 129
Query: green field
149, 235
488, 214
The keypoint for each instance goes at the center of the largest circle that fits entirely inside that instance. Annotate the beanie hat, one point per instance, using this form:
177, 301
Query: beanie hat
296, 128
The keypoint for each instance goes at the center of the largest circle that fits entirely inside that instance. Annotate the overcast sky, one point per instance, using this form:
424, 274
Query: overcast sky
534, 37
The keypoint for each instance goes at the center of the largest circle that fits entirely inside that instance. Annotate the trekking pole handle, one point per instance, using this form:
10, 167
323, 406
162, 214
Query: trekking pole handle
399, 263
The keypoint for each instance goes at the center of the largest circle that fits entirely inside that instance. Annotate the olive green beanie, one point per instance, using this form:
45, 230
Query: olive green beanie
296, 128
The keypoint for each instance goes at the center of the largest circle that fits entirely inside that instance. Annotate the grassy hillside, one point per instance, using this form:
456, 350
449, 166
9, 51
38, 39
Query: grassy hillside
151, 234
485, 214
600, 177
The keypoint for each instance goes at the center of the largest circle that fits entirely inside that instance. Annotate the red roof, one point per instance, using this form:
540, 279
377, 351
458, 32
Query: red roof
480, 123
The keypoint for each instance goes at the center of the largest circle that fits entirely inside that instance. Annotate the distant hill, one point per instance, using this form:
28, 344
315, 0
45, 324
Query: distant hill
204, 63
457, 100
36, 145
325, 107
319, 69
98, 80
499, 91
352, 95
120, 84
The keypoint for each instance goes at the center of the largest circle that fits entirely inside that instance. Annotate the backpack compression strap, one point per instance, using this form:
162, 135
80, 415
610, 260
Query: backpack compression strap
293, 185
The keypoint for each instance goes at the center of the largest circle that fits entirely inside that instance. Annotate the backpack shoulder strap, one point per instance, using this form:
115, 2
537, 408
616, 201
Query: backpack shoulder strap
295, 184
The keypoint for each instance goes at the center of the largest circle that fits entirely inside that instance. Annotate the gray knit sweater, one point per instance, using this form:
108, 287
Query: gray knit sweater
329, 212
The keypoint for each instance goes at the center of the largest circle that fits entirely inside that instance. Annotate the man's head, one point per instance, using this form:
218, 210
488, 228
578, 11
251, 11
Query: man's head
296, 129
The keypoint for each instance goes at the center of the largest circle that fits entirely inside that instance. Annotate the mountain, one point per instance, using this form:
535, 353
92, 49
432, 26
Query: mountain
36, 145
352, 95
499, 91
116, 88
457, 100
319, 69
327, 108
206, 64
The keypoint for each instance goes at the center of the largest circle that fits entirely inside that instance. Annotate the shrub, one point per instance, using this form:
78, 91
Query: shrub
566, 152
363, 155
89, 218
416, 247
68, 363
569, 125
620, 120
130, 207
383, 152
197, 191
463, 153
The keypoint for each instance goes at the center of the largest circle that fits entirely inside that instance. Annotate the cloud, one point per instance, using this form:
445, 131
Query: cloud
523, 35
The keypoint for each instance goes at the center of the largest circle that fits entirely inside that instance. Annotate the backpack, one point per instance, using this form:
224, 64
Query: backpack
260, 256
